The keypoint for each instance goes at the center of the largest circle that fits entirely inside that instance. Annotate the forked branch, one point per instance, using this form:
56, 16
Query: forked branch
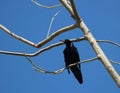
41, 43
100, 53
76, 15
41, 50
54, 45
37, 68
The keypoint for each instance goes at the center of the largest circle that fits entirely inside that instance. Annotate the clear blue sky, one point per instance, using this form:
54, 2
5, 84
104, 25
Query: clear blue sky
25, 19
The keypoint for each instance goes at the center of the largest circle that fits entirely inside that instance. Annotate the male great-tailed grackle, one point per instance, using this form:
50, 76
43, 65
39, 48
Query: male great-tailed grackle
71, 56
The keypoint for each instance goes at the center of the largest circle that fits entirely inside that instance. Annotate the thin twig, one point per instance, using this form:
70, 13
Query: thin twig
51, 22
37, 68
114, 62
48, 7
108, 41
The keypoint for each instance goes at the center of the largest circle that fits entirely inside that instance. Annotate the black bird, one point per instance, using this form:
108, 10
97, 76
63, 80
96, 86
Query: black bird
71, 56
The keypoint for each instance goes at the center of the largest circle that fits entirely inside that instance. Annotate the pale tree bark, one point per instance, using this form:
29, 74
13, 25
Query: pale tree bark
88, 35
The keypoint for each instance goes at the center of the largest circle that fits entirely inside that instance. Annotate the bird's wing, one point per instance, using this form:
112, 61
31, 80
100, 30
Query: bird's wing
76, 56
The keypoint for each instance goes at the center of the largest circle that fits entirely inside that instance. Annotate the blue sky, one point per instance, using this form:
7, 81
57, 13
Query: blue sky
30, 21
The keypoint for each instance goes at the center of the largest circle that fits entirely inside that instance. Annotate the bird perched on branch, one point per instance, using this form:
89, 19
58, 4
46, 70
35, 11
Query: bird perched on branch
71, 56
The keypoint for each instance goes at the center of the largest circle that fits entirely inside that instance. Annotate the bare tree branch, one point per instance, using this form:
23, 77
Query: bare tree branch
41, 43
108, 41
76, 15
52, 36
68, 7
16, 36
114, 62
54, 45
51, 22
41, 50
37, 68
51, 46
43, 6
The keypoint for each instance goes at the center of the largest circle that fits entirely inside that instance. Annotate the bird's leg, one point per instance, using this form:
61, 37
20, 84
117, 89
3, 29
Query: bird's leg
79, 65
68, 70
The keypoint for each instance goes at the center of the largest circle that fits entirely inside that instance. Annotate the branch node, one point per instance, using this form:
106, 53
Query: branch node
99, 56
86, 37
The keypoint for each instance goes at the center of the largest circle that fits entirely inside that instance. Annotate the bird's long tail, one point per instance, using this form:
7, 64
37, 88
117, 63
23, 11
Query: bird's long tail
77, 73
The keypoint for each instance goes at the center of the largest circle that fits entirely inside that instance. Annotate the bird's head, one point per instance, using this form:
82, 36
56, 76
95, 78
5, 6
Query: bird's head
67, 42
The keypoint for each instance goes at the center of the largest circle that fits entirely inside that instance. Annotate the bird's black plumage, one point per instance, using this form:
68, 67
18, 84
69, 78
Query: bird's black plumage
71, 56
